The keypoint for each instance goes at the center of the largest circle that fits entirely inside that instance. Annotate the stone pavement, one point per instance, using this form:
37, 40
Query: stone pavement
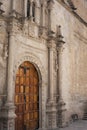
78, 125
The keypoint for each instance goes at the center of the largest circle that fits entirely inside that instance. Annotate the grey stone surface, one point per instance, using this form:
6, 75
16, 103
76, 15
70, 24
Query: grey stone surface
78, 125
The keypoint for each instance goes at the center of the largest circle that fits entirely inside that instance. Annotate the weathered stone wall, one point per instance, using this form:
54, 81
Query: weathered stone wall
7, 6
81, 6
3, 57
74, 70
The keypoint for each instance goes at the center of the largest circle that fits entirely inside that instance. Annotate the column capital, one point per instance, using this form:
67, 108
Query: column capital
50, 4
51, 44
59, 39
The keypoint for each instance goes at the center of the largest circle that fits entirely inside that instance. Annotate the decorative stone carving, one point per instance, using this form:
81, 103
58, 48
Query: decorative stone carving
50, 4
1, 11
3, 54
43, 32
30, 29
5, 51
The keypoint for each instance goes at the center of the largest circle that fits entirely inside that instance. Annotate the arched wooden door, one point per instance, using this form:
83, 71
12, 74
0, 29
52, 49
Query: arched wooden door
27, 97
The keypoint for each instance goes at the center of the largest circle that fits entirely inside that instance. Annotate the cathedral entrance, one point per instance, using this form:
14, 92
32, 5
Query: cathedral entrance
27, 97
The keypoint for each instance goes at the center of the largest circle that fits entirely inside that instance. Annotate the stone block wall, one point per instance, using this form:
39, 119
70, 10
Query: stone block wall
74, 83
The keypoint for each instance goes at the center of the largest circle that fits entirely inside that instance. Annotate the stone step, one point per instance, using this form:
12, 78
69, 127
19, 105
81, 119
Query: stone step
85, 116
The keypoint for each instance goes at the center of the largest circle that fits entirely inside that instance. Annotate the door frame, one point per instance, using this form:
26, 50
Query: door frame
40, 90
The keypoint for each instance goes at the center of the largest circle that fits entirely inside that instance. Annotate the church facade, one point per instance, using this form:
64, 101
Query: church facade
43, 66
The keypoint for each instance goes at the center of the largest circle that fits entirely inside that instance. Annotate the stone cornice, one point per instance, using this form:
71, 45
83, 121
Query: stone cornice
72, 12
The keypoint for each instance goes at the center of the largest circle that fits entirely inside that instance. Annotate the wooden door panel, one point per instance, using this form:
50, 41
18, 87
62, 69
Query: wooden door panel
27, 89
17, 88
30, 106
27, 97
17, 80
21, 80
21, 89
21, 71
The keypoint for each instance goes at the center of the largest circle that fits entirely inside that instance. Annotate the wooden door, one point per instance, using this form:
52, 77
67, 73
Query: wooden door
27, 97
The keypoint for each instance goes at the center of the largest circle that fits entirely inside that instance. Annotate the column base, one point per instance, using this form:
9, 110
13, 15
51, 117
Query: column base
31, 19
52, 115
61, 114
7, 117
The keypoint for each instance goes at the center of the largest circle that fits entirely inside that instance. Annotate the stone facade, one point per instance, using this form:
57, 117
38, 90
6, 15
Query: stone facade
54, 40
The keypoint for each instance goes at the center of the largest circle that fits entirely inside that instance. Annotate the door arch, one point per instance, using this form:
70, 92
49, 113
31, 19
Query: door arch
27, 97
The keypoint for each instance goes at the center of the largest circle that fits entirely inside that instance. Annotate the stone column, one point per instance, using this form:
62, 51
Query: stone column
25, 8
13, 9
31, 15
51, 102
42, 20
51, 49
37, 13
43, 15
61, 103
10, 91
50, 7
13, 4
8, 110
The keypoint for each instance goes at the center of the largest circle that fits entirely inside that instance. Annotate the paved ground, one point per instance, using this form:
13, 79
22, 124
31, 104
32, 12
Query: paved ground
78, 125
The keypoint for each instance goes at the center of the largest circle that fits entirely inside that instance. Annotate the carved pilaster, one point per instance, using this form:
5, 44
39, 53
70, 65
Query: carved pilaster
31, 8
61, 103
25, 8
7, 113
37, 13
51, 49
42, 28
51, 102
12, 13
50, 4
11, 48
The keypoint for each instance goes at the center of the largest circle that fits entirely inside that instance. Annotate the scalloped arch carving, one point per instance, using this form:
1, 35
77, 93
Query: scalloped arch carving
34, 60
